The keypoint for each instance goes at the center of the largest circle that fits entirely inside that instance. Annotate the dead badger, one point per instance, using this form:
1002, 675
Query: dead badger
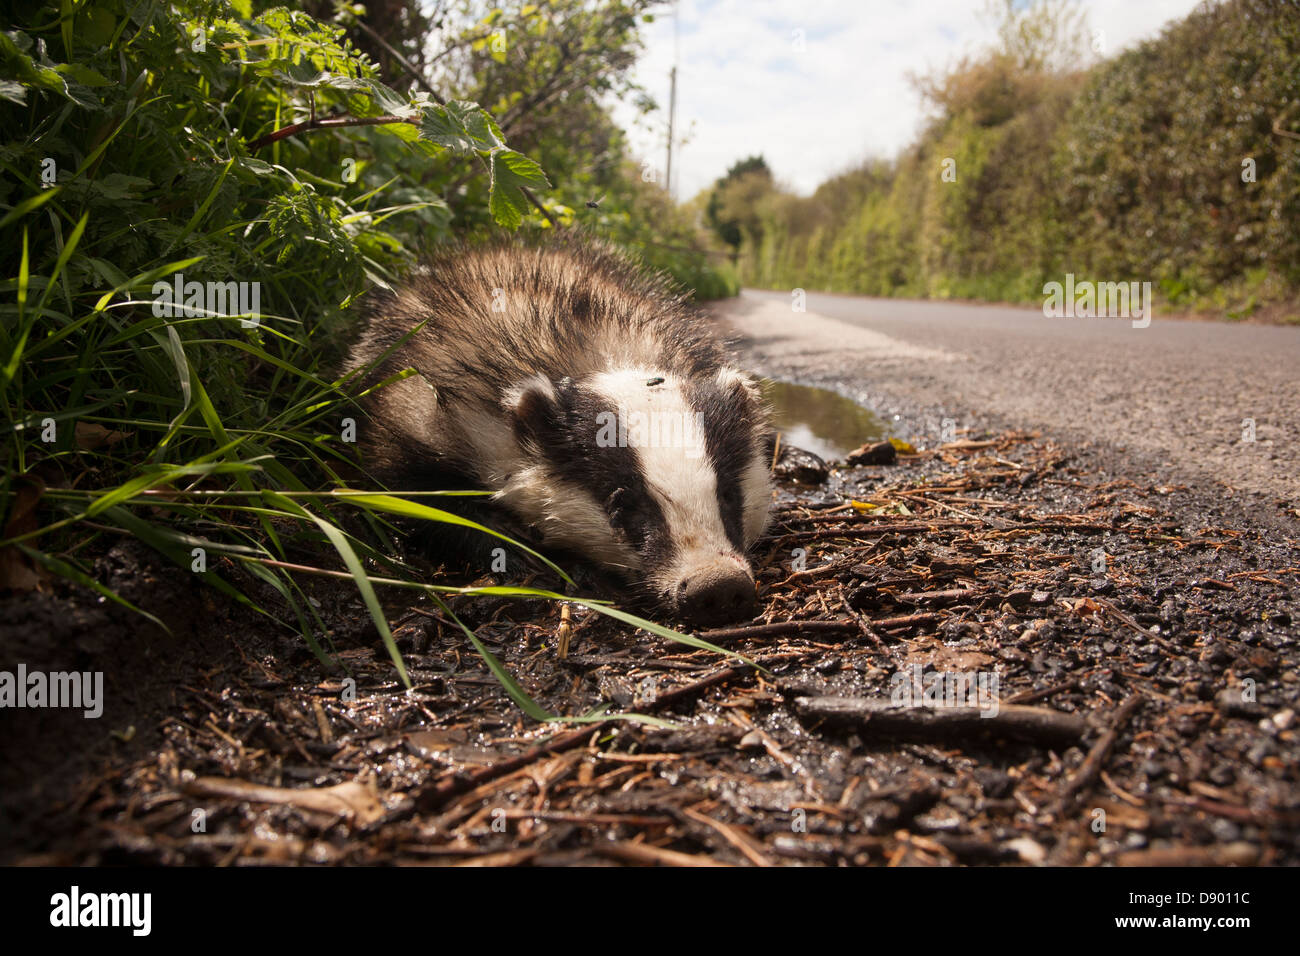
592, 400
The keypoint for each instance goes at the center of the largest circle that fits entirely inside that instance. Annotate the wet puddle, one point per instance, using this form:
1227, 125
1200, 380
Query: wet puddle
820, 421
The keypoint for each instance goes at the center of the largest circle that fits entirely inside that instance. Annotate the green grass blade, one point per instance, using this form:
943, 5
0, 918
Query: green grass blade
30, 204
410, 509
517, 693
340, 542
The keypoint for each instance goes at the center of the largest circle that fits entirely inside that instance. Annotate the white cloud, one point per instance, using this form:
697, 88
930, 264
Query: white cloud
744, 88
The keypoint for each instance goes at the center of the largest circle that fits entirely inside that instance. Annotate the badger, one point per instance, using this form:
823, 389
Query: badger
591, 399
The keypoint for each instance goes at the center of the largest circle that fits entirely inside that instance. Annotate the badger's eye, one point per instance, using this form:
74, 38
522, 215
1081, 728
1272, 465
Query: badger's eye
614, 503
628, 516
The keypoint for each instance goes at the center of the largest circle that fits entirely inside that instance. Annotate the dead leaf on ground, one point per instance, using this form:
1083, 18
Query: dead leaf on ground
90, 435
16, 571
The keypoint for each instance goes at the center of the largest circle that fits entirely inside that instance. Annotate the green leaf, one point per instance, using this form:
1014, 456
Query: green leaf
510, 172
454, 127
84, 74
97, 27
305, 75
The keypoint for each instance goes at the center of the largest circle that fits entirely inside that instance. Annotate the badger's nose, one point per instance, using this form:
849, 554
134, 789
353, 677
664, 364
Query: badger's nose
716, 595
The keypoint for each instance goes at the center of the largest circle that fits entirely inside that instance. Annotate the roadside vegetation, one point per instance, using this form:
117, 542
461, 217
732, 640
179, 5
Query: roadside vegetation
1177, 162
147, 145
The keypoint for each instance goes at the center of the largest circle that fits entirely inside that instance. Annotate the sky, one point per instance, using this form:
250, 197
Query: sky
817, 102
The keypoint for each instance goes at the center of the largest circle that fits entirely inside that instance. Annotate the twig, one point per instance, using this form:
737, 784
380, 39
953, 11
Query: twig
643, 853
868, 631
821, 571
906, 620
1091, 766
823, 628
1233, 854
952, 594
528, 194
780, 629
1029, 697
330, 122
800, 536
732, 835
1218, 808
1278, 130
886, 717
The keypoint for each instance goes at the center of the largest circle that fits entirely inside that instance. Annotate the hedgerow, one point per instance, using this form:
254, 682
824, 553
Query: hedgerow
149, 147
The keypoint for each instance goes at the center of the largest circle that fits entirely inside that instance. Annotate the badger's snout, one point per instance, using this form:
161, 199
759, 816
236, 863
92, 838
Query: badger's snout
715, 594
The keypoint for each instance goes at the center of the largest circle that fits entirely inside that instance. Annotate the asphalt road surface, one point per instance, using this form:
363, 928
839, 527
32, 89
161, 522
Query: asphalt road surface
1173, 396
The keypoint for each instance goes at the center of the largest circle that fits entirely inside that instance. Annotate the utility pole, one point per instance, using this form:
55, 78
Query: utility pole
672, 110
672, 106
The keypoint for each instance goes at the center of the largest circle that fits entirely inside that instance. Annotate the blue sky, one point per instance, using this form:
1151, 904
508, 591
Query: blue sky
745, 86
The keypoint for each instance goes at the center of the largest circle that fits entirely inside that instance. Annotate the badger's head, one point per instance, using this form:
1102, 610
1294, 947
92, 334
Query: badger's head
660, 475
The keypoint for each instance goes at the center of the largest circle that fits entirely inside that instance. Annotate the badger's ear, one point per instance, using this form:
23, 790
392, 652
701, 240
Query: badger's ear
734, 378
534, 409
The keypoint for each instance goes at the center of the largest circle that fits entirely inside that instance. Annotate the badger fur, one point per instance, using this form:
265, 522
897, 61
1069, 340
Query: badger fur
590, 399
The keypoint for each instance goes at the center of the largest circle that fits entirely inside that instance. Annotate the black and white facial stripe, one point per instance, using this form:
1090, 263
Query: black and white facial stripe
674, 468
558, 424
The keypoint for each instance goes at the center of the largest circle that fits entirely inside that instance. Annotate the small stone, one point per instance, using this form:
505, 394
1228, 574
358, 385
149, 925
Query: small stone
1028, 850
1225, 831
1223, 775
994, 783
829, 666
802, 467
879, 453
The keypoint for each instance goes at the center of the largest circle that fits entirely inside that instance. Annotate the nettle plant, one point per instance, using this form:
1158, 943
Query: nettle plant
149, 141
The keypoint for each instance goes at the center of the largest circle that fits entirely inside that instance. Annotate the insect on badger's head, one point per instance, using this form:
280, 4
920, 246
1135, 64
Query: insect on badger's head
662, 475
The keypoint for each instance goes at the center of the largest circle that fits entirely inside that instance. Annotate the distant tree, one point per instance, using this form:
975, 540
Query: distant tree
1038, 45
730, 211
1045, 36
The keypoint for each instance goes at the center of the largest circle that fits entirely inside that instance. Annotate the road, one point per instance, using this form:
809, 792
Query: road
1171, 397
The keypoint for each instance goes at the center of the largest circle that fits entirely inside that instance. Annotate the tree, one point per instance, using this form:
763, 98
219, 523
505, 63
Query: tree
731, 211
